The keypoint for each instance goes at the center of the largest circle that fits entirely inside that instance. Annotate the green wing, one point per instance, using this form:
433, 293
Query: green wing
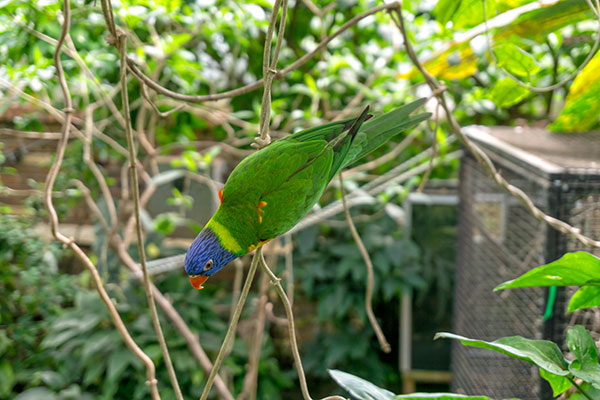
288, 175
379, 130
291, 174
371, 135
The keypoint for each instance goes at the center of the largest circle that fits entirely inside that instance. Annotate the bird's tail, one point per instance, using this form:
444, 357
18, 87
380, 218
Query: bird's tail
342, 144
375, 132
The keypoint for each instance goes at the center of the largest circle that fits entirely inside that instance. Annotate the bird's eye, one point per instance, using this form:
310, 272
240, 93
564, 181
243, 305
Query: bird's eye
208, 265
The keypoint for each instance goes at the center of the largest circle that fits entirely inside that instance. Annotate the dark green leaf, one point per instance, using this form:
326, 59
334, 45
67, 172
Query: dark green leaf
585, 297
578, 269
583, 347
543, 353
360, 388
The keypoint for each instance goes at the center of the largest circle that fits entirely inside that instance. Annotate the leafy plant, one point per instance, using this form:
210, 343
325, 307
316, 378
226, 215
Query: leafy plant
579, 268
572, 269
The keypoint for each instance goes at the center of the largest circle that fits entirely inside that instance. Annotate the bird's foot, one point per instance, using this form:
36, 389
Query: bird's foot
259, 142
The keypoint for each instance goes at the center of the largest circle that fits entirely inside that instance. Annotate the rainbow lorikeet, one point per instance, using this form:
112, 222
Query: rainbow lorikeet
272, 189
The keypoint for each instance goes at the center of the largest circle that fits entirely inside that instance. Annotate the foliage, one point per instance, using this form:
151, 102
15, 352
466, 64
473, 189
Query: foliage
572, 269
58, 342
579, 268
210, 46
343, 336
34, 295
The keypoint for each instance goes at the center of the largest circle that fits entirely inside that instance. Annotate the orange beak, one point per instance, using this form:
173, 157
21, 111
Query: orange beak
197, 281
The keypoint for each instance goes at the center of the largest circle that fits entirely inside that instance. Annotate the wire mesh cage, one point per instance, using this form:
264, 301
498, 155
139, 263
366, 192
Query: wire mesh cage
499, 240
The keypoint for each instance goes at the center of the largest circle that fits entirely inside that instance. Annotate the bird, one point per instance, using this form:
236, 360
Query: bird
272, 189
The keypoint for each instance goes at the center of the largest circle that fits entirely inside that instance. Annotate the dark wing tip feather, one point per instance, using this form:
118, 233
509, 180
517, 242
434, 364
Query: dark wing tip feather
364, 116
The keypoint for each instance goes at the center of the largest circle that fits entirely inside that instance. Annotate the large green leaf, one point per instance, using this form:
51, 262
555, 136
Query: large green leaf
583, 347
507, 92
538, 23
585, 297
543, 353
360, 388
516, 60
559, 384
579, 268
582, 107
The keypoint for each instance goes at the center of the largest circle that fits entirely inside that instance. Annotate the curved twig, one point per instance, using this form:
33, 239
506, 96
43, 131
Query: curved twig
275, 281
255, 85
138, 224
383, 343
230, 335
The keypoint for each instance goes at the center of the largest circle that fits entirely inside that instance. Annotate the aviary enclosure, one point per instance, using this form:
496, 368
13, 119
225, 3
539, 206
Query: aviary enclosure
121, 122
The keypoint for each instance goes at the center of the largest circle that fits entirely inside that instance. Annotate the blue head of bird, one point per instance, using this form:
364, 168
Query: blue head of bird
205, 257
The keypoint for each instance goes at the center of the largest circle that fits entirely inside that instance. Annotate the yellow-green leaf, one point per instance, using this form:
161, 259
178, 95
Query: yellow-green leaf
538, 23
507, 92
560, 384
456, 62
516, 60
582, 106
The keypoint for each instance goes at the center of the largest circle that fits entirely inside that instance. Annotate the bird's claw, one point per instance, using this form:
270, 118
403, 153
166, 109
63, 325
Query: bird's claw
259, 142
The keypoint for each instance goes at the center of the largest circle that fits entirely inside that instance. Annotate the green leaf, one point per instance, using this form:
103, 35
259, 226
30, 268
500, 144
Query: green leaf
572, 269
507, 92
117, 362
559, 384
585, 297
470, 13
516, 60
592, 392
439, 396
537, 24
583, 347
582, 106
445, 9
543, 353
360, 388
7, 378
53, 379
36, 394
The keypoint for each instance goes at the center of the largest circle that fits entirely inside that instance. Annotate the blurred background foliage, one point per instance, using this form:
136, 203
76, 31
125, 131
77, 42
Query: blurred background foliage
56, 339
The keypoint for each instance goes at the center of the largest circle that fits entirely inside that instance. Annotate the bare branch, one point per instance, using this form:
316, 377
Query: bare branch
255, 85
230, 335
383, 343
275, 281
52, 174
136, 201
